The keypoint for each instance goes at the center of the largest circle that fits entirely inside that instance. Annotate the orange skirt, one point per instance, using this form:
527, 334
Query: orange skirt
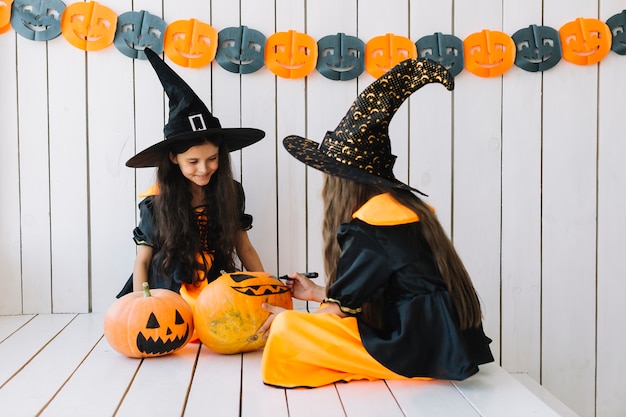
311, 350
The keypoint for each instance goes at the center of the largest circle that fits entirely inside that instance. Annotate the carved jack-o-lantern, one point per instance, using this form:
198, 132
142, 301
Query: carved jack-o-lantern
137, 31
488, 53
341, 57
37, 20
190, 43
148, 323
240, 49
291, 54
538, 48
89, 26
585, 41
5, 15
382, 53
228, 311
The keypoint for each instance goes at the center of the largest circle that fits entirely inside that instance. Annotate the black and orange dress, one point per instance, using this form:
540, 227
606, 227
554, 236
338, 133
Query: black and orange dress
210, 258
384, 259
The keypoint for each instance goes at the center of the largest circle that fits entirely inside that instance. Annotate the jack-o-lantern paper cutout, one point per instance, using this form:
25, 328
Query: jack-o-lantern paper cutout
89, 26
340, 57
447, 50
190, 43
240, 50
382, 53
291, 54
489, 53
585, 41
148, 323
538, 48
137, 31
37, 20
5, 15
617, 25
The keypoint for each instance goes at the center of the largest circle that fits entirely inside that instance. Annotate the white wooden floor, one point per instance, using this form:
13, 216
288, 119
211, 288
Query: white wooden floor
61, 365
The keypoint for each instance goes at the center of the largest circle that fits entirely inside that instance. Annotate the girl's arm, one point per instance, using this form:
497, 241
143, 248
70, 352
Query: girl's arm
247, 253
140, 269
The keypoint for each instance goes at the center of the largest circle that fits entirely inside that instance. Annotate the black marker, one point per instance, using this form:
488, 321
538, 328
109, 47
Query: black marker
306, 274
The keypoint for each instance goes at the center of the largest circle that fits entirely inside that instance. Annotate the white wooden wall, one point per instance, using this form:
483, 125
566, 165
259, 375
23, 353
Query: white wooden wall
526, 171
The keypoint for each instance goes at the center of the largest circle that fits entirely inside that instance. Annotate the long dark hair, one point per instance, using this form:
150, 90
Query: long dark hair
176, 224
343, 197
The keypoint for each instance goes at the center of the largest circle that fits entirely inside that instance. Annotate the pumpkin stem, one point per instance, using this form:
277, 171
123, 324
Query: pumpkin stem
146, 289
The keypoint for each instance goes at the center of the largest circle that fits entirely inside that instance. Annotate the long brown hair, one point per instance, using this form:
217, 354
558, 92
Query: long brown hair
343, 197
176, 224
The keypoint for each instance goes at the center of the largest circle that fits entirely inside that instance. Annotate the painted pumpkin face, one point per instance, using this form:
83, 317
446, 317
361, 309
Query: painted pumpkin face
37, 20
137, 31
5, 15
447, 50
382, 53
585, 41
488, 53
340, 57
228, 311
89, 26
148, 323
291, 54
190, 43
538, 48
240, 50
617, 25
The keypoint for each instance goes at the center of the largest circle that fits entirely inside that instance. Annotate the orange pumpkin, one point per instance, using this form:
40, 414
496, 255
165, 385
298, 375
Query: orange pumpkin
228, 311
148, 323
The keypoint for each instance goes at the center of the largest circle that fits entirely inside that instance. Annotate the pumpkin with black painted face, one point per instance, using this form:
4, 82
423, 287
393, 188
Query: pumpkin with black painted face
37, 20
148, 323
228, 311
538, 48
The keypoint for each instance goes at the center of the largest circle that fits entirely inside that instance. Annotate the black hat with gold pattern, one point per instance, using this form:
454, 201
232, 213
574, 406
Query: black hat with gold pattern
189, 119
359, 148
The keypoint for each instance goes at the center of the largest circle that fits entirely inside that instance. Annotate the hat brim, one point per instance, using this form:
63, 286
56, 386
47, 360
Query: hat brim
233, 138
307, 151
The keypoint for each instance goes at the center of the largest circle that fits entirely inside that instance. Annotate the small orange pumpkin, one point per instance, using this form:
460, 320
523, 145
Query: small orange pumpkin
228, 311
148, 323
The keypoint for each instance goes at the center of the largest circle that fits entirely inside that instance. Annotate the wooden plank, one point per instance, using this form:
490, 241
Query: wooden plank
521, 206
11, 324
477, 169
257, 399
21, 347
494, 393
10, 250
304, 402
30, 390
368, 398
430, 112
570, 124
216, 381
161, 384
434, 398
97, 386
545, 396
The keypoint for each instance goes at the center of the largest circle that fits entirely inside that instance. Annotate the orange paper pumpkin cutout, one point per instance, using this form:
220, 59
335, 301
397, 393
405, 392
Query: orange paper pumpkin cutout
5, 15
291, 54
488, 53
89, 26
190, 43
382, 53
585, 41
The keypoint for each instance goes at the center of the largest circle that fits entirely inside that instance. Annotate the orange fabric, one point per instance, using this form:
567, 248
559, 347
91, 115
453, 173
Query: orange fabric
384, 210
311, 350
152, 190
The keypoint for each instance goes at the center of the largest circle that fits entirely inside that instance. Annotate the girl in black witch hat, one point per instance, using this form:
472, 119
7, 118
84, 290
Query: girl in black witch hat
398, 301
193, 223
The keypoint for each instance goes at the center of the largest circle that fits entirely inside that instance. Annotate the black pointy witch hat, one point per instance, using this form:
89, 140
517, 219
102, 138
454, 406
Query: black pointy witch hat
188, 119
359, 148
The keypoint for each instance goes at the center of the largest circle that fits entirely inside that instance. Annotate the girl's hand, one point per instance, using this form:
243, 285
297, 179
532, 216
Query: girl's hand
265, 327
303, 288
